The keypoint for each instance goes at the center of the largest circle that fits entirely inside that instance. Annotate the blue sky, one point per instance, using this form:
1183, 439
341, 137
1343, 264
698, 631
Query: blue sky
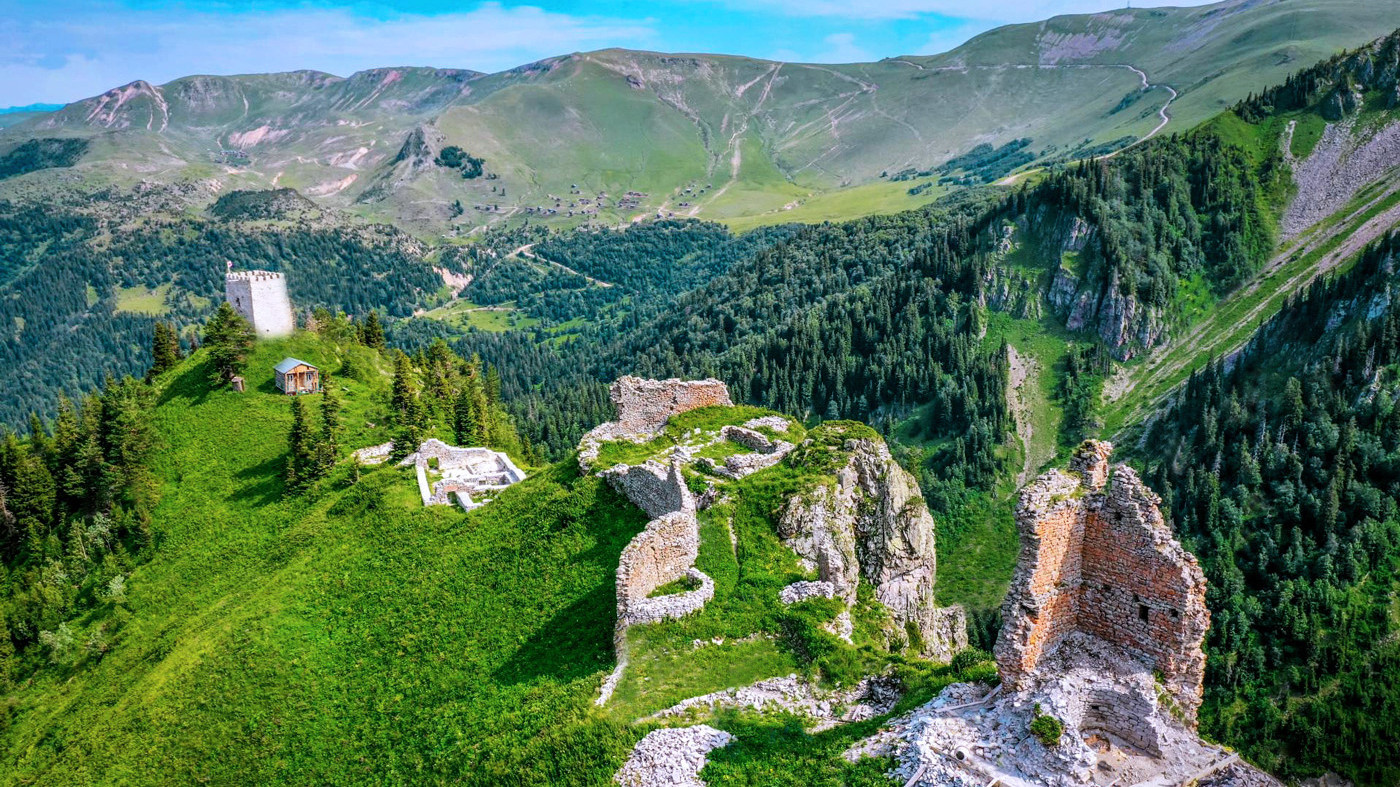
63, 50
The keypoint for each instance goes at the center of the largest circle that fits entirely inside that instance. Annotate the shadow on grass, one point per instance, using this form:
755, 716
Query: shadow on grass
575, 643
192, 384
264, 482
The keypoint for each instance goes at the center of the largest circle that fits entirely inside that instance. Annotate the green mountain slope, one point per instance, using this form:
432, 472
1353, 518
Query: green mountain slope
735, 139
347, 636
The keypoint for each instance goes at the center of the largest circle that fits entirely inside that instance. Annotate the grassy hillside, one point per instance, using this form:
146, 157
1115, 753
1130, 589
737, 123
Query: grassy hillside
346, 636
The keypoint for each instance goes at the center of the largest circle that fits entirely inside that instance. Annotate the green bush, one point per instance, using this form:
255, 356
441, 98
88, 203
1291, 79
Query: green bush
1047, 728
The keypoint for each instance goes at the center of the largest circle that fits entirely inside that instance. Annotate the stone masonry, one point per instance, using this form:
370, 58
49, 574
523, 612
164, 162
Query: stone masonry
261, 298
644, 405
1098, 558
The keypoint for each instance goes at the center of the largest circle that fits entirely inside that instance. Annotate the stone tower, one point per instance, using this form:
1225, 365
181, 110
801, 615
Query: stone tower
261, 297
1098, 558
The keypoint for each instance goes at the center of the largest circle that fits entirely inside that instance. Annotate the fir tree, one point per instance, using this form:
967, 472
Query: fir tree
372, 333
329, 447
165, 350
228, 337
301, 460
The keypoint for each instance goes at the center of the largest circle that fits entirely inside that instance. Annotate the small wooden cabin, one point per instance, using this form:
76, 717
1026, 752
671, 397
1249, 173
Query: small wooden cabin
297, 377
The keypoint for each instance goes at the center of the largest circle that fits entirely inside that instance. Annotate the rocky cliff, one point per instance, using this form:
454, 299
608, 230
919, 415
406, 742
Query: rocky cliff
872, 524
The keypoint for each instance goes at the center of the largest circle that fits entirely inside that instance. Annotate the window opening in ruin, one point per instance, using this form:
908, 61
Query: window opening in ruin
1142, 612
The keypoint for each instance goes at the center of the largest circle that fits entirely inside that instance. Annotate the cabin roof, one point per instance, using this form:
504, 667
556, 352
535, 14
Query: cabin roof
289, 364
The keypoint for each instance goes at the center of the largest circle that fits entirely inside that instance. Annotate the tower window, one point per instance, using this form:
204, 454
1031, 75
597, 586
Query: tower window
1142, 612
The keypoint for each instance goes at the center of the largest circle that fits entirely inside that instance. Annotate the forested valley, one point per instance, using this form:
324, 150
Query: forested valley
1279, 464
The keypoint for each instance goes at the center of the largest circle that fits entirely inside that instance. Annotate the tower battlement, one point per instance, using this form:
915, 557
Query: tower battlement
261, 298
252, 276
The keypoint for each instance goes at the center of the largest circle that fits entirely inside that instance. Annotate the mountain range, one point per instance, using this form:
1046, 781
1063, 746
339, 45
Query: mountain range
734, 139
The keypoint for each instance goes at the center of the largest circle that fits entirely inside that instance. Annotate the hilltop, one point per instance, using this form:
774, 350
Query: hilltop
615, 135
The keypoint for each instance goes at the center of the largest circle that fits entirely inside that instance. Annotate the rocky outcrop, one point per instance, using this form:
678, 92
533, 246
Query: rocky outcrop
872, 523
1097, 557
1118, 728
824, 708
671, 757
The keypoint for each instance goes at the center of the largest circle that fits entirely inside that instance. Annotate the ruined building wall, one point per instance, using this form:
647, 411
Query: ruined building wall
261, 298
644, 405
665, 551
1097, 557
652, 487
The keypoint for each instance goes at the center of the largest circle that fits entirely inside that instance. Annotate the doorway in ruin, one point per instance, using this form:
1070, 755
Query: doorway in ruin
1120, 718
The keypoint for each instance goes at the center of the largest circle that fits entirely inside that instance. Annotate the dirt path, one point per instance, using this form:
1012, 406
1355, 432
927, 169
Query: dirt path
1024, 373
525, 251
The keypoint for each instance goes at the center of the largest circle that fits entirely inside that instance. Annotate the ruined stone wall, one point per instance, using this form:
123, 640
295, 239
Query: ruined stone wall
1097, 557
1141, 589
661, 553
644, 405
652, 487
1042, 606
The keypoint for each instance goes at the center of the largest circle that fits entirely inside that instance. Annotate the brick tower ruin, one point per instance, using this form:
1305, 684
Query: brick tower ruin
261, 297
1097, 558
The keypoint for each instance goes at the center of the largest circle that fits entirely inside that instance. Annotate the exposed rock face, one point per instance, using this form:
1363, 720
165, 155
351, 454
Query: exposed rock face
644, 405
671, 757
1117, 730
873, 523
871, 697
801, 591
1097, 557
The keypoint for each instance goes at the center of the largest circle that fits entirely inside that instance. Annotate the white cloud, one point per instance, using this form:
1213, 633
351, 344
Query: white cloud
86, 54
983, 10
842, 48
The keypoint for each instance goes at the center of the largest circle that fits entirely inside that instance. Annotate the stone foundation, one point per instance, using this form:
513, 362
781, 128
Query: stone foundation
463, 471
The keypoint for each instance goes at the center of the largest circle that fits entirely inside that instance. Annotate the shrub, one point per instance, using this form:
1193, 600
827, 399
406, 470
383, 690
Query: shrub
1047, 728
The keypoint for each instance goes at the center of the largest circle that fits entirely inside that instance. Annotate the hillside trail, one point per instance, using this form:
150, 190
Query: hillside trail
1213, 334
526, 251
1023, 371
1163, 114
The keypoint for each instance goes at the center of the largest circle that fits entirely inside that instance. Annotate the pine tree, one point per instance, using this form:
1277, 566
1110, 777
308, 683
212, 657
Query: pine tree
301, 459
329, 448
407, 410
228, 337
165, 350
372, 334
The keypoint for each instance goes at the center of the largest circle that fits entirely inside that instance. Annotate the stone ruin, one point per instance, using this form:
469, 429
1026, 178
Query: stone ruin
664, 552
462, 472
1103, 626
644, 406
871, 525
1097, 557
